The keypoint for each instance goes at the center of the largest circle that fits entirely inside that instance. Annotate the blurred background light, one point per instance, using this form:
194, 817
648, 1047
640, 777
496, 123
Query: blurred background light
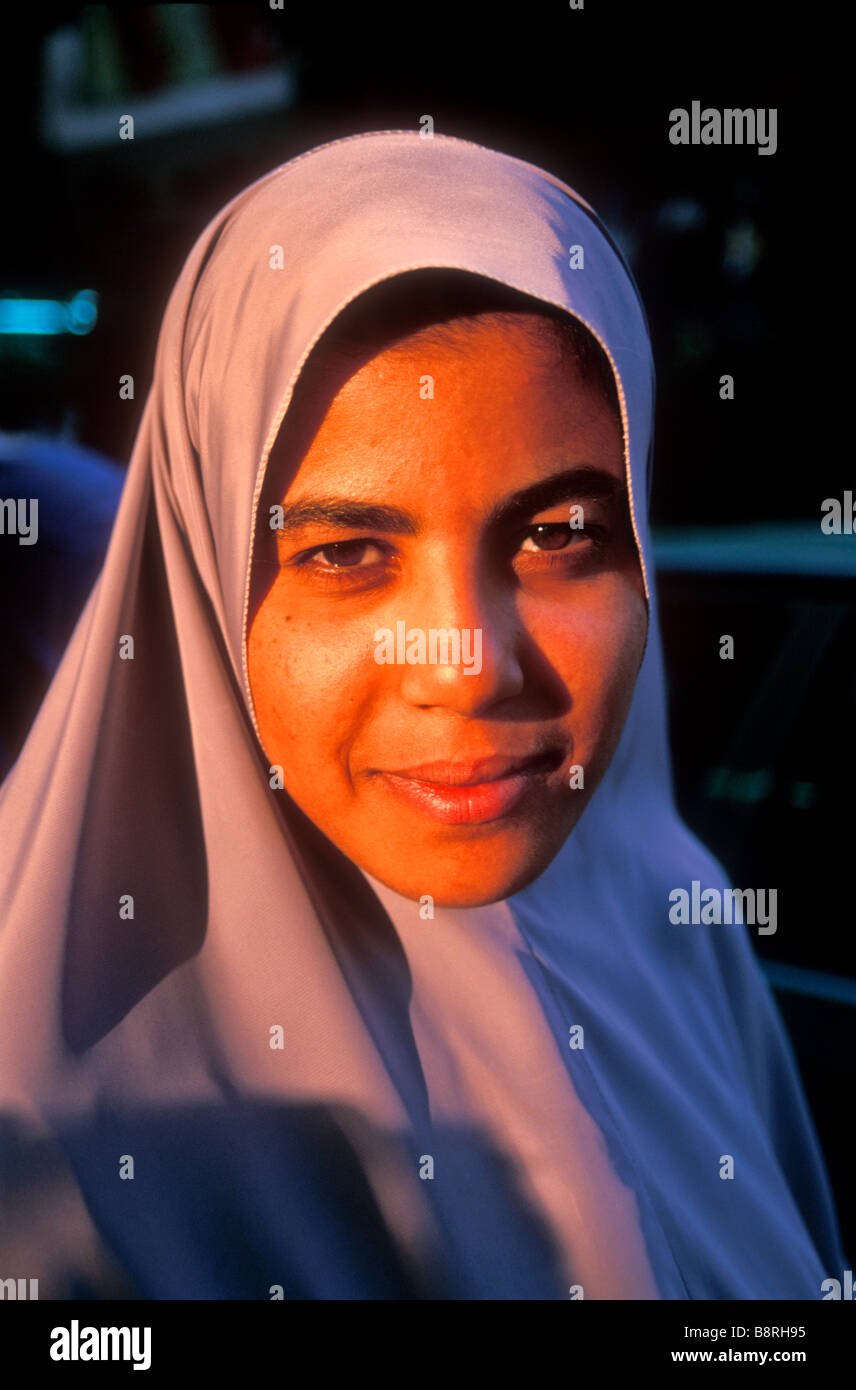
742, 250
49, 316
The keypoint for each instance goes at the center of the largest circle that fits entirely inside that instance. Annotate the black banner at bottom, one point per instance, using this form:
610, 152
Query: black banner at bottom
250, 1338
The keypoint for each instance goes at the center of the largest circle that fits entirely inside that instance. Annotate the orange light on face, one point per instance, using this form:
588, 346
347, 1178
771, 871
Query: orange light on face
450, 515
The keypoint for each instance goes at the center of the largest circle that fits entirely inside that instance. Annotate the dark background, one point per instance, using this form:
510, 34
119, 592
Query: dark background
719, 241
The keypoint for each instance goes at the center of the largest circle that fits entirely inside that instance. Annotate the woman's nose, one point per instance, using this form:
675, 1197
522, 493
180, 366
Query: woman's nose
457, 647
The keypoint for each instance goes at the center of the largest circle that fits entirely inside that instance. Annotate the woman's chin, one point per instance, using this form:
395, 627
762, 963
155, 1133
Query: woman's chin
481, 877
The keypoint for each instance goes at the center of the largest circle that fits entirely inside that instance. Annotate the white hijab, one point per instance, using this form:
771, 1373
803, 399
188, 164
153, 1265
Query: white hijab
306, 1167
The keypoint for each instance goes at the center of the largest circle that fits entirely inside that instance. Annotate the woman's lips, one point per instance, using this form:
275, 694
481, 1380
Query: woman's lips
473, 793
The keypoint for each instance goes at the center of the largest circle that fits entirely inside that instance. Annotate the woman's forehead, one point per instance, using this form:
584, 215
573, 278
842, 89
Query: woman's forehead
481, 421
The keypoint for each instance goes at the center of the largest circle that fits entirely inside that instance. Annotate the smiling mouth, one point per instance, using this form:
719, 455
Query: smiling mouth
472, 793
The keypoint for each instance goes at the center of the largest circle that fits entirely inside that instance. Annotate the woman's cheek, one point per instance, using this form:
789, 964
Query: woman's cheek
596, 644
618, 658
316, 678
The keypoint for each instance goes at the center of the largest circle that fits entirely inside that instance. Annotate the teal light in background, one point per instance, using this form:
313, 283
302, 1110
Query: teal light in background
50, 316
82, 312
732, 785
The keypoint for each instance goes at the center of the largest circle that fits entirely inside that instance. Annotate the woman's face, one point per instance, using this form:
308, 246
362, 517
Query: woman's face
450, 774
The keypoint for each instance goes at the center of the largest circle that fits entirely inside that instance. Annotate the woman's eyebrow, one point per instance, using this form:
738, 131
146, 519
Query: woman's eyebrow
583, 481
346, 512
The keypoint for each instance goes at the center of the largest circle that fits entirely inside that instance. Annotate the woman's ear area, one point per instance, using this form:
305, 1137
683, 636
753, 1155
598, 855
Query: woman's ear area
263, 554
303, 415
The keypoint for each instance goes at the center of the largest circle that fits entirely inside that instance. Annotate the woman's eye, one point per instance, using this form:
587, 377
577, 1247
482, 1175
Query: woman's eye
345, 555
552, 535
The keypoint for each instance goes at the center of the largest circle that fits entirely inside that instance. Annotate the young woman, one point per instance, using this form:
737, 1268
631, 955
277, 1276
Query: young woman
336, 956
